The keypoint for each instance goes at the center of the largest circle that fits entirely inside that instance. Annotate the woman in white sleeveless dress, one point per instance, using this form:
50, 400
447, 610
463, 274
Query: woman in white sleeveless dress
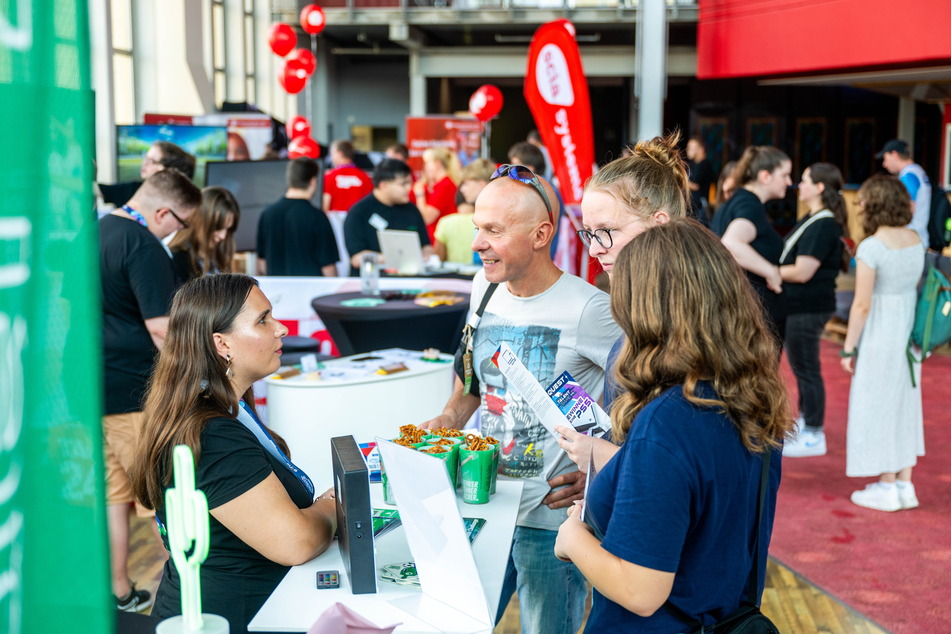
885, 431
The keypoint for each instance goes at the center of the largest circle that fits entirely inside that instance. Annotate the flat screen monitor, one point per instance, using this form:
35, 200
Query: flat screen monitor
206, 143
255, 185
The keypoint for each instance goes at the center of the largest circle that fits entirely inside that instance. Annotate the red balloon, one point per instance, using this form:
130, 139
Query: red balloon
303, 146
486, 102
306, 58
312, 19
298, 126
293, 77
282, 39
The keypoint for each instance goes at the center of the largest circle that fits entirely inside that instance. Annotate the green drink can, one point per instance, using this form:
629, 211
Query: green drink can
448, 455
388, 497
496, 452
476, 471
452, 443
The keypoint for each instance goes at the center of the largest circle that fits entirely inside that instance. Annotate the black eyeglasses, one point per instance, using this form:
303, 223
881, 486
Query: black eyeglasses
524, 175
602, 236
178, 218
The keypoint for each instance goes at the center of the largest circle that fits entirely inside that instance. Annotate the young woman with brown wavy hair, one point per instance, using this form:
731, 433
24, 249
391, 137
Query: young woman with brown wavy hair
263, 516
701, 403
207, 244
646, 187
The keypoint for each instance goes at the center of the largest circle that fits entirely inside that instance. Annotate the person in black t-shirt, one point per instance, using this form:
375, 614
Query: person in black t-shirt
294, 237
137, 286
387, 207
263, 517
701, 177
761, 175
810, 262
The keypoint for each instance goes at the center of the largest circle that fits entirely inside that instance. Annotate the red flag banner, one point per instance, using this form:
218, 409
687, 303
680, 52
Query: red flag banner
557, 94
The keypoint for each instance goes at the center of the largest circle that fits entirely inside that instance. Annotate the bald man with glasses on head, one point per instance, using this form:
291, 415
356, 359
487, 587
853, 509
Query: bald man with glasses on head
554, 322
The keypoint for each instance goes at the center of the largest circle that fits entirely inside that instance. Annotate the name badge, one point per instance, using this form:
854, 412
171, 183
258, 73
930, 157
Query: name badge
378, 223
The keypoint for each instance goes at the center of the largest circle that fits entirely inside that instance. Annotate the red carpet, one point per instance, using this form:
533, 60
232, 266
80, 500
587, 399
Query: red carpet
895, 568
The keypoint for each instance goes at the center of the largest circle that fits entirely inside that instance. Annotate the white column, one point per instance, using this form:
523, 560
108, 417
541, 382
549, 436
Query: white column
417, 86
235, 86
650, 82
320, 86
103, 84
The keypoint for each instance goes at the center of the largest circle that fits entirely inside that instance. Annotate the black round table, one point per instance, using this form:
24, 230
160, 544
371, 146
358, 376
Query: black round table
396, 323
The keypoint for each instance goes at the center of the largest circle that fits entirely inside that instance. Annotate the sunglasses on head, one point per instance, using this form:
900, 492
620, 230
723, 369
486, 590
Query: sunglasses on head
524, 175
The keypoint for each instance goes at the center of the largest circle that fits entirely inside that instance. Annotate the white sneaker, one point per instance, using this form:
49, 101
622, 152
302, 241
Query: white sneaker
805, 444
879, 497
799, 423
907, 497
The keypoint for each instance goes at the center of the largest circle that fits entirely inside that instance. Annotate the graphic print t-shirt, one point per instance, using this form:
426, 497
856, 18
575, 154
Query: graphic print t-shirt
566, 328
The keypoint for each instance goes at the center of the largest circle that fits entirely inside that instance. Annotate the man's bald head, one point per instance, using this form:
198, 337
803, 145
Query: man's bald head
513, 234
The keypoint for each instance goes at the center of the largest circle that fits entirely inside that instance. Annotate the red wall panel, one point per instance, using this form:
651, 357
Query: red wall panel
737, 38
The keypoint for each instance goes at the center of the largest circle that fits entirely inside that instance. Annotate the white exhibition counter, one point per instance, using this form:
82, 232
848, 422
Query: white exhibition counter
349, 398
297, 603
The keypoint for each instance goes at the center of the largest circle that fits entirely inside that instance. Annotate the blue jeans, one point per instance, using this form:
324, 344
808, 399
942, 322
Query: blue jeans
551, 592
803, 331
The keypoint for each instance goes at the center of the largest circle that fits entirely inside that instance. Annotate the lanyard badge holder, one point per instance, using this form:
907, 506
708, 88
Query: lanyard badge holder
463, 365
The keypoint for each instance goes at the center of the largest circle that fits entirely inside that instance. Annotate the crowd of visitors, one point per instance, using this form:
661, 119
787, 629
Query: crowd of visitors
683, 352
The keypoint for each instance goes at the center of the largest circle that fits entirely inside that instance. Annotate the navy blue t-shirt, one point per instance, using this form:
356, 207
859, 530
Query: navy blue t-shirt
678, 497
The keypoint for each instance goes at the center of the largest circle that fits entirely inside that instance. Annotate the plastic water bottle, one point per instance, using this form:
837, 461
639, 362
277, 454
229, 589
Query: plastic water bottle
369, 274
947, 231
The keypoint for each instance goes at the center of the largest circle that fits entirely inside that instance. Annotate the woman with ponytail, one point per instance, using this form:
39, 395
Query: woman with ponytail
263, 517
646, 187
761, 175
810, 262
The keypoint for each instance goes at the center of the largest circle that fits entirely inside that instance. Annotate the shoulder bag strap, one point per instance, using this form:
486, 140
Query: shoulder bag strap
794, 238
752, 584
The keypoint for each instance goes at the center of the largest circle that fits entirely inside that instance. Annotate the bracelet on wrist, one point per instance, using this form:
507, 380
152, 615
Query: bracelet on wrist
852, 353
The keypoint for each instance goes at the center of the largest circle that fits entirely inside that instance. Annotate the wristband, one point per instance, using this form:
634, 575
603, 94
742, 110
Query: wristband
846, 355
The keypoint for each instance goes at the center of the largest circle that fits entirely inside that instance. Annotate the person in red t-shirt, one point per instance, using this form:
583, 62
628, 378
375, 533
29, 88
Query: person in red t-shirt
436, 190
346, 183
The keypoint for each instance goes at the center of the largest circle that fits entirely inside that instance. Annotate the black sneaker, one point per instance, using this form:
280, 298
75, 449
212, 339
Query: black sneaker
135, 601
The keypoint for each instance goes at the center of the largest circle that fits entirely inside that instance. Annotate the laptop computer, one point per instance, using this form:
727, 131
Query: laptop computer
401, 251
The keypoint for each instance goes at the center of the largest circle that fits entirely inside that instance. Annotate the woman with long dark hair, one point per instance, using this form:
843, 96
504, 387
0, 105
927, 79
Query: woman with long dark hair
263, 515
809, 264
885, 434
761, 175
207, 244
701, 405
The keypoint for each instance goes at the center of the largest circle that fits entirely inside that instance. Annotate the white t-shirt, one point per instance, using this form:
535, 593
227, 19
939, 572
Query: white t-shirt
565, 328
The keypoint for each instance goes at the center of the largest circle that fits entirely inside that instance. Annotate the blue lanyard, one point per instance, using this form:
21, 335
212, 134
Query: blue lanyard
247, 418
139, 218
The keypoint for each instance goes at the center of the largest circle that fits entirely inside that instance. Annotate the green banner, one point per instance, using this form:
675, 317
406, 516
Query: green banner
53, 557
